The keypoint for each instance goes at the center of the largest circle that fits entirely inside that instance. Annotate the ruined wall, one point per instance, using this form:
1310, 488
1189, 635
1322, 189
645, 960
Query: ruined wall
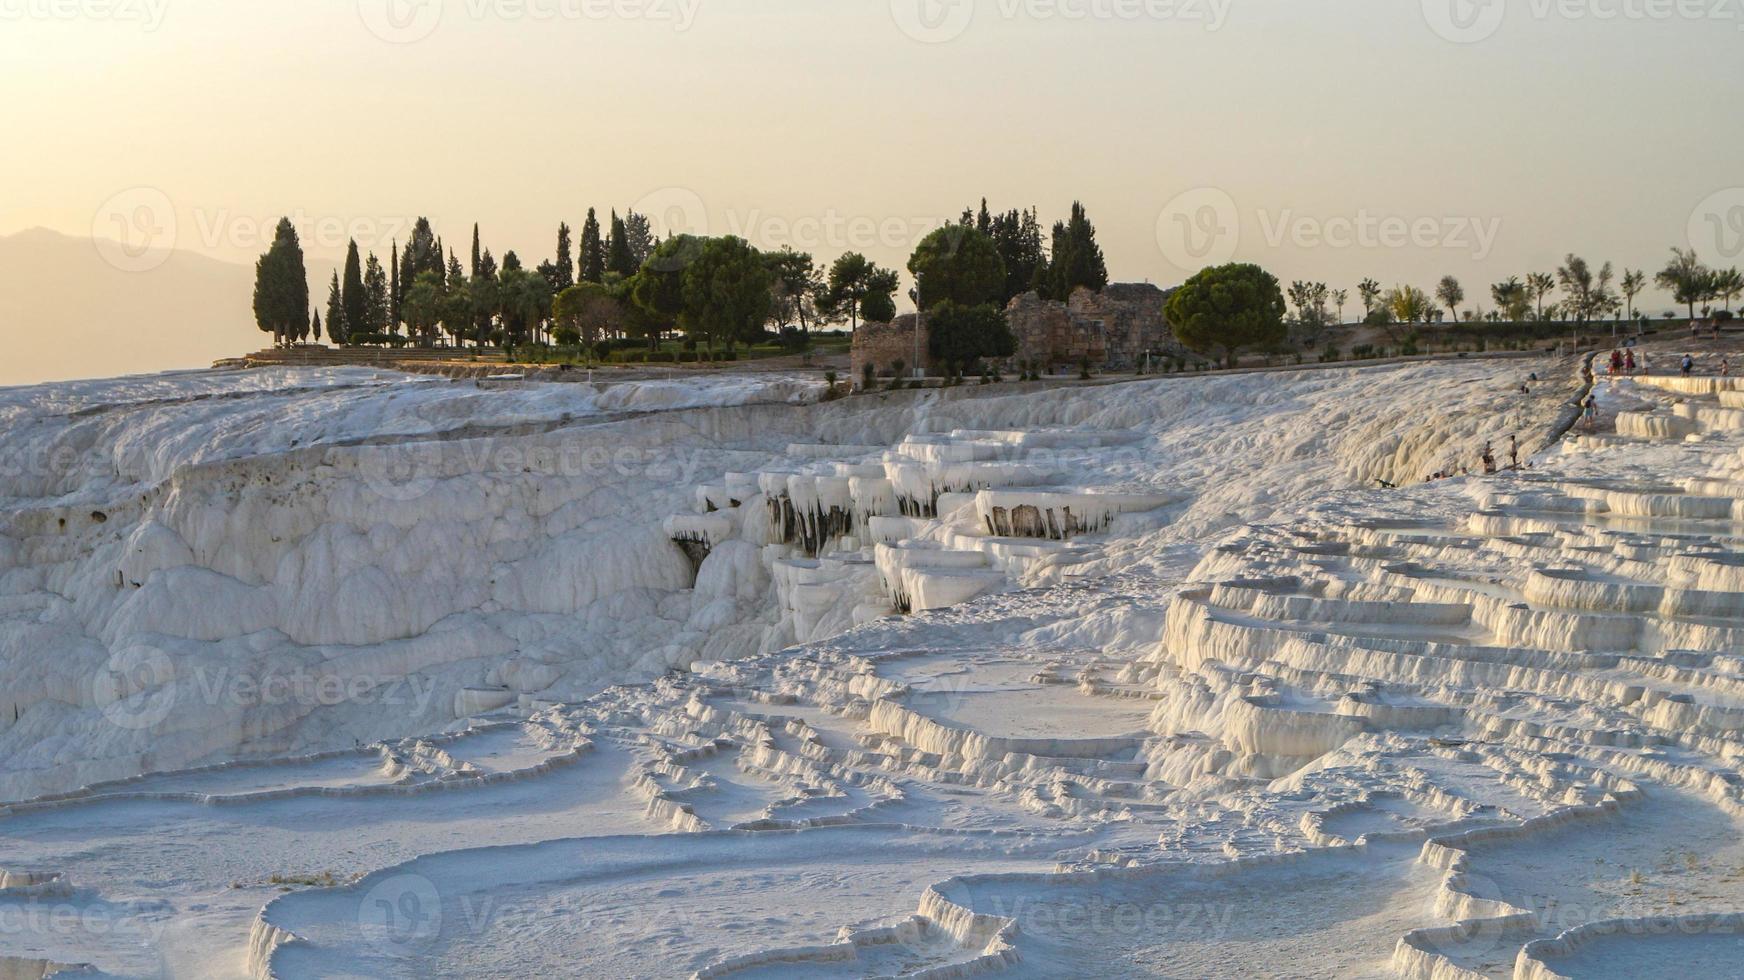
1113, 328
883, 344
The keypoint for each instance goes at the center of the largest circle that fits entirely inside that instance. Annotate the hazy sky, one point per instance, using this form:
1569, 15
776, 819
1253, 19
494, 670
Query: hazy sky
1400, 139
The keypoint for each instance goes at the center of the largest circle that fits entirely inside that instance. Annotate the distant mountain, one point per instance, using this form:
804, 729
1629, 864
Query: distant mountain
68, 312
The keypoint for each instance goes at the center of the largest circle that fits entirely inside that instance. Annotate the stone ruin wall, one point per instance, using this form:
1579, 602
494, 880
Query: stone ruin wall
883, 344
1113, 328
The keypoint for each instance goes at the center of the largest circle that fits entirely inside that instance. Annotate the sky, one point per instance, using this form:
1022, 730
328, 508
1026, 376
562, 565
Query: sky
1326, 140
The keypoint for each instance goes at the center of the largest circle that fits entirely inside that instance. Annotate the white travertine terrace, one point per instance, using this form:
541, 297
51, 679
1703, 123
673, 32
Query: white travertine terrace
1135, 680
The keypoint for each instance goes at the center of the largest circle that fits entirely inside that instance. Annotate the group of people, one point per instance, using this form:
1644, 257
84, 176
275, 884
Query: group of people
1711, 324
1624, 364
1486, 459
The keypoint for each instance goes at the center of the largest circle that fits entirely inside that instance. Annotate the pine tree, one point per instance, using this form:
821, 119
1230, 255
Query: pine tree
351, 288
593, 251
618, 256
336, 325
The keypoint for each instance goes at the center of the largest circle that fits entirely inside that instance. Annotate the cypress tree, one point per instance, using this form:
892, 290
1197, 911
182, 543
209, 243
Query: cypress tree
476, 253
593, 251
315, 325
394, 289
281, 286
483, 289
356, 300
618, 257
408, 275
378, 306
1077, 258
565, 259
336, 325
639, 237
423, 254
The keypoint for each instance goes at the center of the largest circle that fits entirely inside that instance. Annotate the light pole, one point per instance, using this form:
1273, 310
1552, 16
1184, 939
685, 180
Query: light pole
919, 372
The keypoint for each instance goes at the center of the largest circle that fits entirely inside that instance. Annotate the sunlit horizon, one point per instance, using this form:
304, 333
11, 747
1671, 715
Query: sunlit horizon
1373, 139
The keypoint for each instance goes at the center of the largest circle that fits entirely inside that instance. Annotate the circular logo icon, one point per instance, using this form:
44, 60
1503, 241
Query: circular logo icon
135, 230
1716, 226
1479, 936
401, 21
933, 21
400, 473
134, 688
1464, 21
1199, 228
673, 211
400, 913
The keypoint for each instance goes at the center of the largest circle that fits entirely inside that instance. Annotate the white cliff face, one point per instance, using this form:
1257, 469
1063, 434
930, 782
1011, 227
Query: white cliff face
182, 547
175, 548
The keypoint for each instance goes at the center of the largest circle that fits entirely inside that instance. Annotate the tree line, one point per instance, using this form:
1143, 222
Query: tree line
1240, 306
620, 284
1587, 294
